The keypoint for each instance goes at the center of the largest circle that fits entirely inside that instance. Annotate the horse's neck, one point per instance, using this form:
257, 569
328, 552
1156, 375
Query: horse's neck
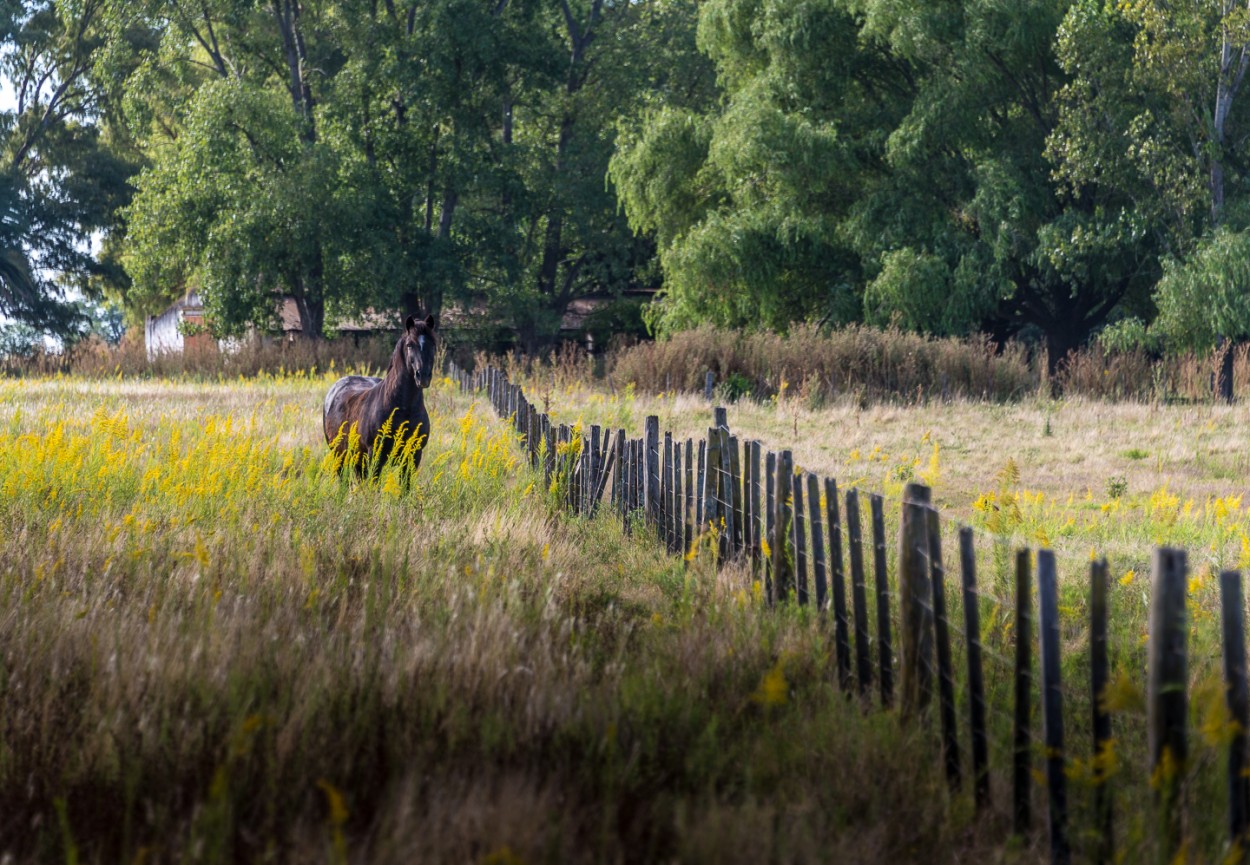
398, 388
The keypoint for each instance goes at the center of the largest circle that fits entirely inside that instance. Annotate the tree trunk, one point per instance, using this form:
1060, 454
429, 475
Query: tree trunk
311, 316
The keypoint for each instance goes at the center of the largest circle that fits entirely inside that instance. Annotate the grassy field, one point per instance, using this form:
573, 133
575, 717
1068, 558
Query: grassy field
217, 649
1080, 476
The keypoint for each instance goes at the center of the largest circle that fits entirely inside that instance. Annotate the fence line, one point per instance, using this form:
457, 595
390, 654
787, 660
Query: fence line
749, 505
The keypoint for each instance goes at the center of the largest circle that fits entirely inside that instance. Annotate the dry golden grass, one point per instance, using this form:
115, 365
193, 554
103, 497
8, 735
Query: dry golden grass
1086, 474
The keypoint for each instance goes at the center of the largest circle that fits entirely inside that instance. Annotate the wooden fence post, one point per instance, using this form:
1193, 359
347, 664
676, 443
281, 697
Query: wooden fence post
837, 584
783, 563
640, 478
941, 630
618, 478
627, 484
976, 676
1052, 706
699, 522
724, 492
820, 575
549, 458
1232, 609
719, 472
753, 496
859, 595
651, 470
679, 501
745, 517
799, 535
687, 531
1022, 813
881, 585
1099, 676
596, 465
666, 492
1167, 704
770, 521
915, 599
711, 516
709, 383
735, 497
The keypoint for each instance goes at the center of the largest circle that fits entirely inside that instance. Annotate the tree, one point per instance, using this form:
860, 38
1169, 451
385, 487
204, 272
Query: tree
239, 198
882, 160
1154, 116
746, 199
62, 179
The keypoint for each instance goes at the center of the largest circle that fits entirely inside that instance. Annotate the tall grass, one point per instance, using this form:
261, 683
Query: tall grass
871, 364
93, 358
217, 648
860, 360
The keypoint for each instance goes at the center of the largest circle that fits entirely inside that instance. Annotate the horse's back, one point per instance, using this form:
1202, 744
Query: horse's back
334, 411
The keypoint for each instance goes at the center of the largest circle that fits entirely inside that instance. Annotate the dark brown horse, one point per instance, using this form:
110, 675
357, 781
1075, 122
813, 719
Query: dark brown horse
365, 403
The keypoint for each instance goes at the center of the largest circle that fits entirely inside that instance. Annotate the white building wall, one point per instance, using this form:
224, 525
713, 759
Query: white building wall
161, 332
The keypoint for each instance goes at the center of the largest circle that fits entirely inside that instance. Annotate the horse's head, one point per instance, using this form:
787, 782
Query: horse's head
419, 344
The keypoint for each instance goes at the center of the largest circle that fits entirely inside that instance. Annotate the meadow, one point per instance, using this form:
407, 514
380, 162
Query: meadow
216, 648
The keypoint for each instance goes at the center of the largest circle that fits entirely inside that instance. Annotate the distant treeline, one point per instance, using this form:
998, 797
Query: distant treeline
1044, 170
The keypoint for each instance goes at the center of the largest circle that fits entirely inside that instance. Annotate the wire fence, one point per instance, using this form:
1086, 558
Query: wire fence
1087, 719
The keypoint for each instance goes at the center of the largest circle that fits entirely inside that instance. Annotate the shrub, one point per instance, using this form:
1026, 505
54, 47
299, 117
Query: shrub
877, 363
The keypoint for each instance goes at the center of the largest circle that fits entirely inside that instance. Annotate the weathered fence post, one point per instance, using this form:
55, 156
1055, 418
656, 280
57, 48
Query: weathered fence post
687, 531
724, 488
651, 470
709, 383
753, 497
799, 536
770, 522
596, 465
640, 477
859, 596
549, 458
1052, 706
1167, 704
626, 469
745, 520
666, 492
941, 629
1232, 616
699, 522
885, 649
837, 584
735, 497
1099, 676
915, 598
679, 501
783, 564
976, 676
1022, 813
711, 516
820, 574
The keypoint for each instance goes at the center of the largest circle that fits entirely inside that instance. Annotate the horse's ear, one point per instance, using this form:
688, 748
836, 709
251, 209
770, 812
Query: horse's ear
431, 321
410, 322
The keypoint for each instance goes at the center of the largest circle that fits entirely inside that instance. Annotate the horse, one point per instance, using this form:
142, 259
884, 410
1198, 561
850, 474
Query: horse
385, 412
